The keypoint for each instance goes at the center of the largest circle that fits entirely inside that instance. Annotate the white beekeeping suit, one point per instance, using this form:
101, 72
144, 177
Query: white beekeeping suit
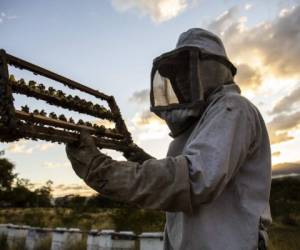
214, 183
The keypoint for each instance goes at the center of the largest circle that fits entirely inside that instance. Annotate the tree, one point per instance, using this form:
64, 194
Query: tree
98, 201
19, 192
6, 174
43, 195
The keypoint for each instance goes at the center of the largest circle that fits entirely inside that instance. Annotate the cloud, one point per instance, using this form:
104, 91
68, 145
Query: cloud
46, 146
72, 189
275, 42
286, 103
225, 20
60, 190
4, 17
248, 77
285, 121
248, 6
158, 10
269, 47
278, 137
286, 169
276, 153
19, 147
49, 164
105, 123
25, 147
145, 124
141, 96
280, 126
146, 118
148, 126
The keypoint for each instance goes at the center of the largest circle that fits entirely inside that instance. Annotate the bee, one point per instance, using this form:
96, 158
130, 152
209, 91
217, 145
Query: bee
100, 129
76, 98
51, 91
25, 109
21, 82
70, 98
12, 78
53, 115
89, 105
43, 113
41, 87
60, 94
71, 120
88, 124
97, 107
31, 84
80, 122
62, 118
82, 102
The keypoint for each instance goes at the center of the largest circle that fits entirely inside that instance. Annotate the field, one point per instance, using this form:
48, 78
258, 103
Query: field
98, 213
284, 237
284, 234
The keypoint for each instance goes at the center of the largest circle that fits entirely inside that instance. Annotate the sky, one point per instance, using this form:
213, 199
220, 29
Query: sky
109, 45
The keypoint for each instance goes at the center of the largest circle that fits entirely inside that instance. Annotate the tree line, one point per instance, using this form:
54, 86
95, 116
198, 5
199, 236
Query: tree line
21, 193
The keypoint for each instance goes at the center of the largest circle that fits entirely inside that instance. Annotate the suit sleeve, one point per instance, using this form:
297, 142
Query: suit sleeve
155, 184
219, 145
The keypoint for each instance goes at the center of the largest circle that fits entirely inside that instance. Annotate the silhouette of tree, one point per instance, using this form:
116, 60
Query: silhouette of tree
6, 174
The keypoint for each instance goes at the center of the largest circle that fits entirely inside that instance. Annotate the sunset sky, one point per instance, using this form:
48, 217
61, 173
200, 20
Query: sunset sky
110, 44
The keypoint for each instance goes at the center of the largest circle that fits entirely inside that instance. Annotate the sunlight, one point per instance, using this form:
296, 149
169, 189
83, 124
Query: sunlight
170, 8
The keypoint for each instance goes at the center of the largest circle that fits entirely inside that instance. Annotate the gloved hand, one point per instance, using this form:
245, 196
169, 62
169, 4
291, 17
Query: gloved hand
83, 153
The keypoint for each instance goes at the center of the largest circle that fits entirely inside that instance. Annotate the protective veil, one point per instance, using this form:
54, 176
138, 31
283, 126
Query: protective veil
182, 79
214, 183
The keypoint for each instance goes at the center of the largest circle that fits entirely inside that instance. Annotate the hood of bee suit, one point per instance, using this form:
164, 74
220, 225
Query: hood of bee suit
212, 70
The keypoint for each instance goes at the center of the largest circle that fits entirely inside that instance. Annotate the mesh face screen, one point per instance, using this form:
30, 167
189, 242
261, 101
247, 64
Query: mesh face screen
172, 78
163, 92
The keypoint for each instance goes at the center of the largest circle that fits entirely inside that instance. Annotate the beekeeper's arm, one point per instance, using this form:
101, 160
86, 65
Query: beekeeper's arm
220, 145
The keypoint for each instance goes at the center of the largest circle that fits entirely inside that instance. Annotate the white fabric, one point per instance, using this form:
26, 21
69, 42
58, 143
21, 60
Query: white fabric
214, 184
206, 41
228, 157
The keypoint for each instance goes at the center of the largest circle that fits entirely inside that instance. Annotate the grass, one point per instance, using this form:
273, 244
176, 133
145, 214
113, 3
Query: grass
81, 245
17, 245
3, 242
284, 233
44, 245
284, 237
57, 217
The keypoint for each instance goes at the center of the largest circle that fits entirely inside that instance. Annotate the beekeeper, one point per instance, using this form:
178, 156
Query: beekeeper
214, 183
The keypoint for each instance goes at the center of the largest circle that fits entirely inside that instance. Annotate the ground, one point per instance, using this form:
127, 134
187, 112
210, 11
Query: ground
284, 233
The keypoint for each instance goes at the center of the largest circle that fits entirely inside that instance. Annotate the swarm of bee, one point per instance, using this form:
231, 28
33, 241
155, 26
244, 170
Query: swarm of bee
58, 97
54, 116
51, 126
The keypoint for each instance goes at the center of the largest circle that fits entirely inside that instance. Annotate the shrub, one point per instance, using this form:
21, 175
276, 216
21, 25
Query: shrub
138, 220
3, 242
44, 244
289, 220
